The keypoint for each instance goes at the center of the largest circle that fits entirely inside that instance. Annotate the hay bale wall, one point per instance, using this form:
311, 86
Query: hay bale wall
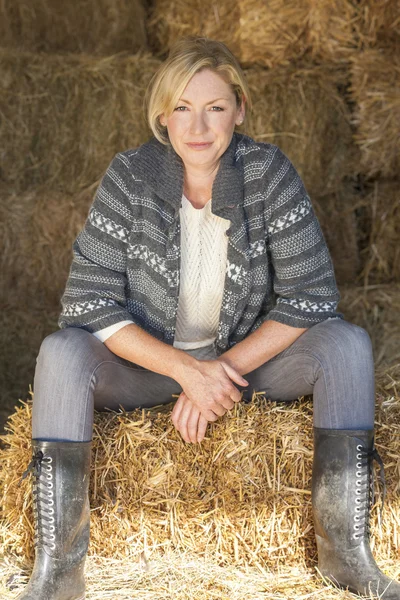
375, 85
300, 109
65, 117
90, 26
35, 264
380, 218
271, 33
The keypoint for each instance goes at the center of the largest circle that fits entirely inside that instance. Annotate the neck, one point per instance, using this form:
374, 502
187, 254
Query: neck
198, 185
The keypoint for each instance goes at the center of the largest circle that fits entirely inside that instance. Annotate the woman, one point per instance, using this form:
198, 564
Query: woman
202, 261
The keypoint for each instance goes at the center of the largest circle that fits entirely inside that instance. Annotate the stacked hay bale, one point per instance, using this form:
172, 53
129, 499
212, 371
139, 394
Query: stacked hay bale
71, 97
89, 26
375, 92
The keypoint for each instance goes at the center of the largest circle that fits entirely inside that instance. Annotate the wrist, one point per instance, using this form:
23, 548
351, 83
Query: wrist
182, 365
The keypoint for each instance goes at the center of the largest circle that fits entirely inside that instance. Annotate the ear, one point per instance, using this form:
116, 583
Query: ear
161, 118
241, 113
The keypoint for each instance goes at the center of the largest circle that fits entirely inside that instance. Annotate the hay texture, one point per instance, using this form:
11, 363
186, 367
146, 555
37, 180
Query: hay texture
378, 23
270, 33
182, 576
301, 110
23, 326
380, 222
375, 84
241, 497
37, 230
96, 27
337, 216
377, 309
65, 117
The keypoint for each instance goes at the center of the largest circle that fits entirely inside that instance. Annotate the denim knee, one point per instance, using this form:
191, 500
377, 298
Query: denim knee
63, 347
346, 340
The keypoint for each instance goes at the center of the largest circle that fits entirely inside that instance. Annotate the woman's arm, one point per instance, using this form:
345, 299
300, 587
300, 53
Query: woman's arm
267, 341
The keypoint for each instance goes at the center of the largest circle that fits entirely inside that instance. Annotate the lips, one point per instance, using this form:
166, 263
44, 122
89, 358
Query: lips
199, 145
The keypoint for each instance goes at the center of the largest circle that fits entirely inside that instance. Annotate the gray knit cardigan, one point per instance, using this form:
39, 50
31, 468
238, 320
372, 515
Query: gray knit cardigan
126, 262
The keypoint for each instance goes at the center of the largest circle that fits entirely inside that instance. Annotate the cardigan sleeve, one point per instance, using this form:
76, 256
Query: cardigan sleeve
303, 275
94, 297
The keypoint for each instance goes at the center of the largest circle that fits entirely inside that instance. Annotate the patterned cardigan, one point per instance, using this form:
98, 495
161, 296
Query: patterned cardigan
126, 262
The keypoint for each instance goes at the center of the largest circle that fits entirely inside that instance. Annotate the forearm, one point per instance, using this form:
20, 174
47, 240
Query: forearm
136, 345
260, 346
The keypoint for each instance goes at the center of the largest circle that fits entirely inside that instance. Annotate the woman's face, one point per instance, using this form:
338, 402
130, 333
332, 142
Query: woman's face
201, 126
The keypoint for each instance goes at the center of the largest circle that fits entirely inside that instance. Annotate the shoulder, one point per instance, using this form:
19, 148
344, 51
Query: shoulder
264, 163
259, 157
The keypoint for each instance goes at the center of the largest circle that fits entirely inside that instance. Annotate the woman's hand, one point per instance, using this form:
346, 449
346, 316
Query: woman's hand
209, 385
188, 420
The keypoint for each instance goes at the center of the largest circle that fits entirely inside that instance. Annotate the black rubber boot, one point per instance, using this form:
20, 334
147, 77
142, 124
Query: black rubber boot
61, 504
342, 491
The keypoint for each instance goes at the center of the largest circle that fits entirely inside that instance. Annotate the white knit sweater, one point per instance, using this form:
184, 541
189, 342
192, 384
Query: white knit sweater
203, 265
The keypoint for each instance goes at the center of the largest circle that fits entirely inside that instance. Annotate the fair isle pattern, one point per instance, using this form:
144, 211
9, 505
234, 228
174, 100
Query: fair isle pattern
81, 308
307, 306
127, 259
292, 216
108, 226
154, 261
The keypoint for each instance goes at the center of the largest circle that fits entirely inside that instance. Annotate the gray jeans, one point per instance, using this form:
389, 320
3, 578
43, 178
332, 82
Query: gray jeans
76, 373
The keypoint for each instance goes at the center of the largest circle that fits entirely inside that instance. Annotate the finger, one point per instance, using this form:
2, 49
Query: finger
192, 424
176, 411
227, 403
201, 428
218, 408
209, 415
233, 374
183, 419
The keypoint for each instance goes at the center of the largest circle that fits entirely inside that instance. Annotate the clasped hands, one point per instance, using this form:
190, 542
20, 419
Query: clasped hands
208, 393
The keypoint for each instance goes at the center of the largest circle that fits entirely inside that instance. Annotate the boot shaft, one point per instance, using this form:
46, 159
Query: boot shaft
60, 497
341, 484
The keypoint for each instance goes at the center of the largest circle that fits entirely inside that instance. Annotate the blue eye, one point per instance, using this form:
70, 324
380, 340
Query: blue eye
178, 108
218, 108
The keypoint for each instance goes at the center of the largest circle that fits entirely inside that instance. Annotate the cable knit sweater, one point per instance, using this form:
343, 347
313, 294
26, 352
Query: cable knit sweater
126, 263
203, 258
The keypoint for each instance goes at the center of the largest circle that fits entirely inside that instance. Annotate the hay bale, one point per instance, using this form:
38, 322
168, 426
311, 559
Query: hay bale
37, 230
91, 26
337, 216
380, 222
168, 21
375, 82
242, 497
258, 32
376, 308
279, 32
65, 116
23, 326
378, 23
301, 110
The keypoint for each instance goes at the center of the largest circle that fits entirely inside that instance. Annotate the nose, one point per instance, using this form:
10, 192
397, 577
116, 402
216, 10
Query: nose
198, 123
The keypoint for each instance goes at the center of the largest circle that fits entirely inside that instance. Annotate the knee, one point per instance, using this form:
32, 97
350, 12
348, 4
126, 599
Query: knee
347, 341
64, 347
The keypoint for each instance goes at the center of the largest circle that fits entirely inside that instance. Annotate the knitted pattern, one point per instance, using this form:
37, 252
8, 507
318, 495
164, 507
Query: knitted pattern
127, 258
203, 261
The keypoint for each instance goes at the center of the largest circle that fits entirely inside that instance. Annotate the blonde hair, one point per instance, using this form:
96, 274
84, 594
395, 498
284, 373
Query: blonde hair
187, 57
